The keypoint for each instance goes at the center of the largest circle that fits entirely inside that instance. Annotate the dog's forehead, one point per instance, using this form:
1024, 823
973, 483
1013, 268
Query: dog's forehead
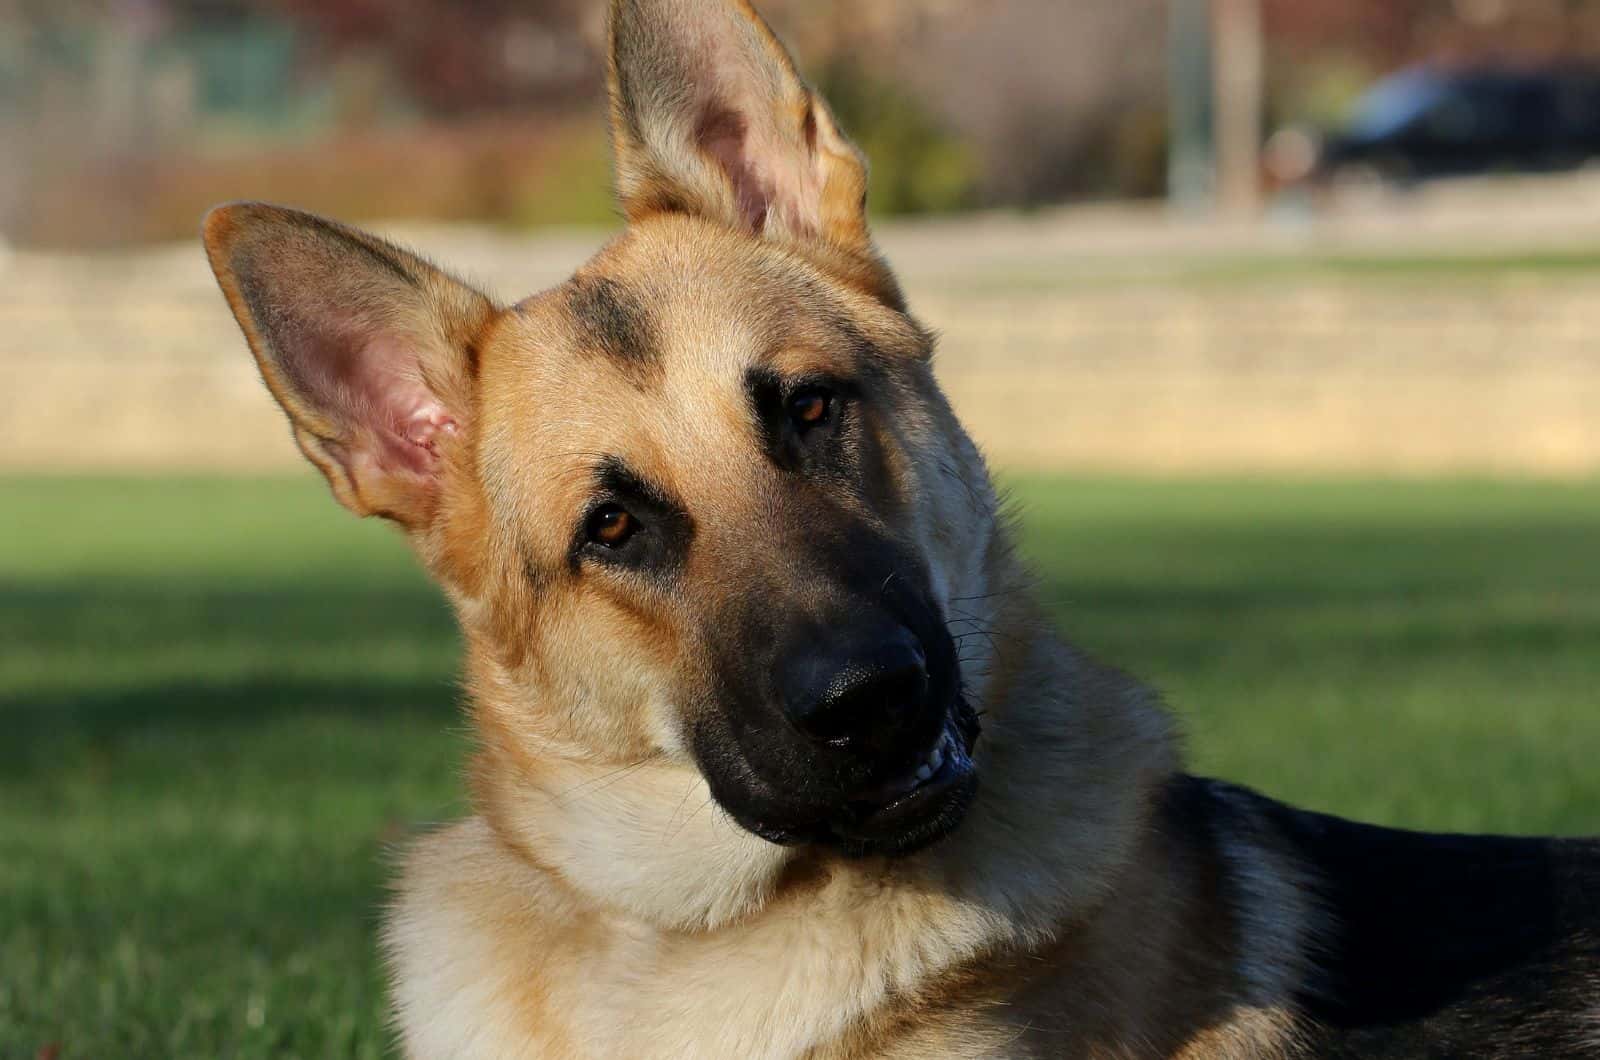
681, 300
645, 356
692, 300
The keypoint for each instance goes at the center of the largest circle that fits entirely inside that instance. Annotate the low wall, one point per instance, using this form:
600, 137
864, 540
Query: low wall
1059, 354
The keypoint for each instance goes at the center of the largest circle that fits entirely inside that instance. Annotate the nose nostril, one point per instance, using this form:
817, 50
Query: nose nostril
865, 692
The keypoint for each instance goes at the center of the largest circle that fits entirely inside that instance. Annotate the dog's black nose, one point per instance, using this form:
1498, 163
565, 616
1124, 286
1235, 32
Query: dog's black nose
860, 691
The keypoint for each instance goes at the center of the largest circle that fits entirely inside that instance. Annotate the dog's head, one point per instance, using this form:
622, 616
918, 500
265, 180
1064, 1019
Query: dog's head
706, 520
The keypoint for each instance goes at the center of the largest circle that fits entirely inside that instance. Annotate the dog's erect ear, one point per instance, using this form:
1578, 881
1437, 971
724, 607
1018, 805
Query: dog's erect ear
709, 117
369, 349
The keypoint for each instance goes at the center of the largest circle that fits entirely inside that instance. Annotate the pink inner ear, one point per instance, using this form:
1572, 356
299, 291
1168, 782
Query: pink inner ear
405, 416
373, 383
419, 432
724, 135
775, 176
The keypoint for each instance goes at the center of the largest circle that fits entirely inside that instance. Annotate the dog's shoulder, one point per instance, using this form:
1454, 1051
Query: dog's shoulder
1436, 945
463, 937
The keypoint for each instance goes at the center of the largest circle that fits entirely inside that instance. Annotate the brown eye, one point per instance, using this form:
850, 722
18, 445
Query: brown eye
611, 526
810, 406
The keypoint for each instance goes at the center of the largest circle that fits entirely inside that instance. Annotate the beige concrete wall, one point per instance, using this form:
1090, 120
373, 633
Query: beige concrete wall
1082, 341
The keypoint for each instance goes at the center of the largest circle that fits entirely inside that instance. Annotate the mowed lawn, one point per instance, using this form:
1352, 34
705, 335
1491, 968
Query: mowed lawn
223, 702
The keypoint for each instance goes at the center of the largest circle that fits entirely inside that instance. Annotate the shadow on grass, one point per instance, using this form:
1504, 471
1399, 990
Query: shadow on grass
41, 725
131, 614
90, 664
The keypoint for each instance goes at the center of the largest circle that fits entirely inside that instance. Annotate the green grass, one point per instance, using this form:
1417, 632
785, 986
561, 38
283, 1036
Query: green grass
223, 701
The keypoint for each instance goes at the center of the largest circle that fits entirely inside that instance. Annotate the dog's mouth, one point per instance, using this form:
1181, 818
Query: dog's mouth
909, 812
858, 742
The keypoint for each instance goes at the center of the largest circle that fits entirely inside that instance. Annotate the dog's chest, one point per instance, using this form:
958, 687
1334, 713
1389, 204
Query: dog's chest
487, 964
815, 986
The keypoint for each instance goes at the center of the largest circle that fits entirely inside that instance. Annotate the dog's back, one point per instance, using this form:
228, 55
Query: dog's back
1431, 945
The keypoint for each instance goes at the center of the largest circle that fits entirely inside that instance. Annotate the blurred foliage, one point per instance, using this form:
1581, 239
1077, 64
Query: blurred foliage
1052, 101
123, 120
573, 184
491, 169
1386, 33
1319, 93
457, 58
918, 164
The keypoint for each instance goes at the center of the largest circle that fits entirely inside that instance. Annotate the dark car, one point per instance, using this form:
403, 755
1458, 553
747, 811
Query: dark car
1431, 123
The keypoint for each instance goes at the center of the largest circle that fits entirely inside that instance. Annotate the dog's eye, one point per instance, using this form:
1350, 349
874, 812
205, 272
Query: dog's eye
611, 526
810, 406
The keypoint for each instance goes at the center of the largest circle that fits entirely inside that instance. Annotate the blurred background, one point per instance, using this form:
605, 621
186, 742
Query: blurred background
1278, 318
1156, 234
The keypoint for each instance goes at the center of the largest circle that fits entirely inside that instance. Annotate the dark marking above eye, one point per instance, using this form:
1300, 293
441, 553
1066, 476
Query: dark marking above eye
659, 527
614, 321
800, 420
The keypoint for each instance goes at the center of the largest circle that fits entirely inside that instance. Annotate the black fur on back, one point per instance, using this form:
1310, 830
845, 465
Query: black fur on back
1444, 945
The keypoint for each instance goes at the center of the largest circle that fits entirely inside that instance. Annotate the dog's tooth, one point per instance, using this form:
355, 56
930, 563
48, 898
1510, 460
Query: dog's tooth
923, 772
936, 759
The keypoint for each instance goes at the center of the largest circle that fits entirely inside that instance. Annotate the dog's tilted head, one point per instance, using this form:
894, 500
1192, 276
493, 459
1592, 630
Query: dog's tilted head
706, 520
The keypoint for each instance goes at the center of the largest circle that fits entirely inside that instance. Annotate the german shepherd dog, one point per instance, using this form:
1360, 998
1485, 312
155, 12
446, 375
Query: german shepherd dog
776, 756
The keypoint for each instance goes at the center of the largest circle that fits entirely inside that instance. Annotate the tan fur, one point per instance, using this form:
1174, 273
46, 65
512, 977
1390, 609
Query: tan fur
599, 903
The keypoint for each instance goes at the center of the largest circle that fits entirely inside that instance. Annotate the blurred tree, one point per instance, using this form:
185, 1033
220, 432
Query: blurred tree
919, 165
459, 56
1381, 26
1391, 32
1058, 100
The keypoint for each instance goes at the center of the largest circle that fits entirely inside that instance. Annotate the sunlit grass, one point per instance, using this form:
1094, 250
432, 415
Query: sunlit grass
224, 700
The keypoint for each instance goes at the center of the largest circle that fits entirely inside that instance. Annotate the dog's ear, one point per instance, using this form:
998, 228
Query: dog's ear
709, 117
369, 350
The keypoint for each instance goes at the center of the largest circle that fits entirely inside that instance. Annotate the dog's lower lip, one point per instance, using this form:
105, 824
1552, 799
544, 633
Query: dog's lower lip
908, 819
932, 765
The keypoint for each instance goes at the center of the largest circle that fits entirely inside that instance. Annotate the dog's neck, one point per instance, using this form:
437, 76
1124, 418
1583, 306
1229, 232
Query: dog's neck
637, 859
645, 839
